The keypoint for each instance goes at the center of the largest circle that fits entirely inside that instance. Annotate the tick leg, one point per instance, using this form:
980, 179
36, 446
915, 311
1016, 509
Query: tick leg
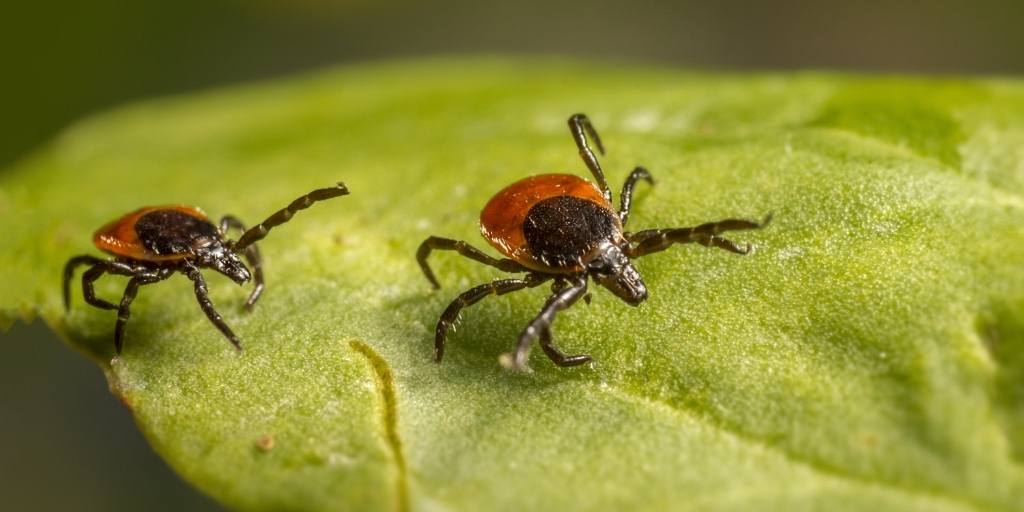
558, 356
285, 214
559, 301
124, 311
580, 127
203, 298
252, 256
464, 249
89, 277
99, 267
472, 296
561, 284
69, 272
655, 240
626, 200
229, 222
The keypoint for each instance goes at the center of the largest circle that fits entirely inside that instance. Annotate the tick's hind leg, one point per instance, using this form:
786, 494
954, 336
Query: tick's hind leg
202, 296
252, 256
89, 277
472, 296
558, 356
464, 249
559, 301
124, 310
69, 272
655, 240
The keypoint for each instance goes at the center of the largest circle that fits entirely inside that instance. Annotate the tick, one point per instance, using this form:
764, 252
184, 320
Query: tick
152, 243
564, 229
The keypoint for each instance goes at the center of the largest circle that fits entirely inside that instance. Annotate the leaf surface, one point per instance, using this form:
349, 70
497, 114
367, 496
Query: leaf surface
869, 354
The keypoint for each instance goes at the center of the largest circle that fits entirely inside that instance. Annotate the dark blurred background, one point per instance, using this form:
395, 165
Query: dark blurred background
65, 442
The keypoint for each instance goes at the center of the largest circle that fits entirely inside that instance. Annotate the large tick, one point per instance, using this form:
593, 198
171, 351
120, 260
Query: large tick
562, 228
152, 243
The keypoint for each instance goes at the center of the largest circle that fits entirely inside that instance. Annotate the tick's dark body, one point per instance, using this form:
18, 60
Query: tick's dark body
152, 243
171, 232
561, 231
562, 228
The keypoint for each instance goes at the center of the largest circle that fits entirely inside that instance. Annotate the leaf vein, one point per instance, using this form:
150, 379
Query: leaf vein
389, 399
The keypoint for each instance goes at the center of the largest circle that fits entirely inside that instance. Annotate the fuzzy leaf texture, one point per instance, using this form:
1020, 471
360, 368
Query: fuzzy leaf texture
867, 355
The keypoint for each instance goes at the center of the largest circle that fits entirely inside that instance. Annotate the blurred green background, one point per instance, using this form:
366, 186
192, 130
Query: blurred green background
66, 443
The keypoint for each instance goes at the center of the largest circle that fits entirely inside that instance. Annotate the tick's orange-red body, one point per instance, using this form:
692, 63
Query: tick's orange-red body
154, 242
120, 237
502, 219
563, 228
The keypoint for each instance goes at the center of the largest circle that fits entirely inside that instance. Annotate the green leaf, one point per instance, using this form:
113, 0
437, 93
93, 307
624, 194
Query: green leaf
868, 355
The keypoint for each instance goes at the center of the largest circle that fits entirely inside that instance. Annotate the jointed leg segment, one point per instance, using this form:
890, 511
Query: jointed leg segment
69, 272
626, 200
561, 300
140, 275
252, 256
123, 311
89, 278
654, 240
97, 269
474, 295
464, 249
580, 127
556, 355
285, 214
207, 305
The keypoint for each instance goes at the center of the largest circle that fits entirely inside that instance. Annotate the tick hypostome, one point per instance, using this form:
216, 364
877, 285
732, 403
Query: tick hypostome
152, 243
564, 229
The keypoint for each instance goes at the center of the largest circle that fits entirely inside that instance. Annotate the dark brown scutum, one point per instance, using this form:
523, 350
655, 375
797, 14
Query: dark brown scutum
172, 232
561, 231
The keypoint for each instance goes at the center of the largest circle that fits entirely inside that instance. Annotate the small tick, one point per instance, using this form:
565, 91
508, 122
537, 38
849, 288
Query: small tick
564, 229
152, 243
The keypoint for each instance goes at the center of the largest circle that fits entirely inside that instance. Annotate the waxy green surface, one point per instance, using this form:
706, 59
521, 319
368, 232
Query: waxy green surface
868, 355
